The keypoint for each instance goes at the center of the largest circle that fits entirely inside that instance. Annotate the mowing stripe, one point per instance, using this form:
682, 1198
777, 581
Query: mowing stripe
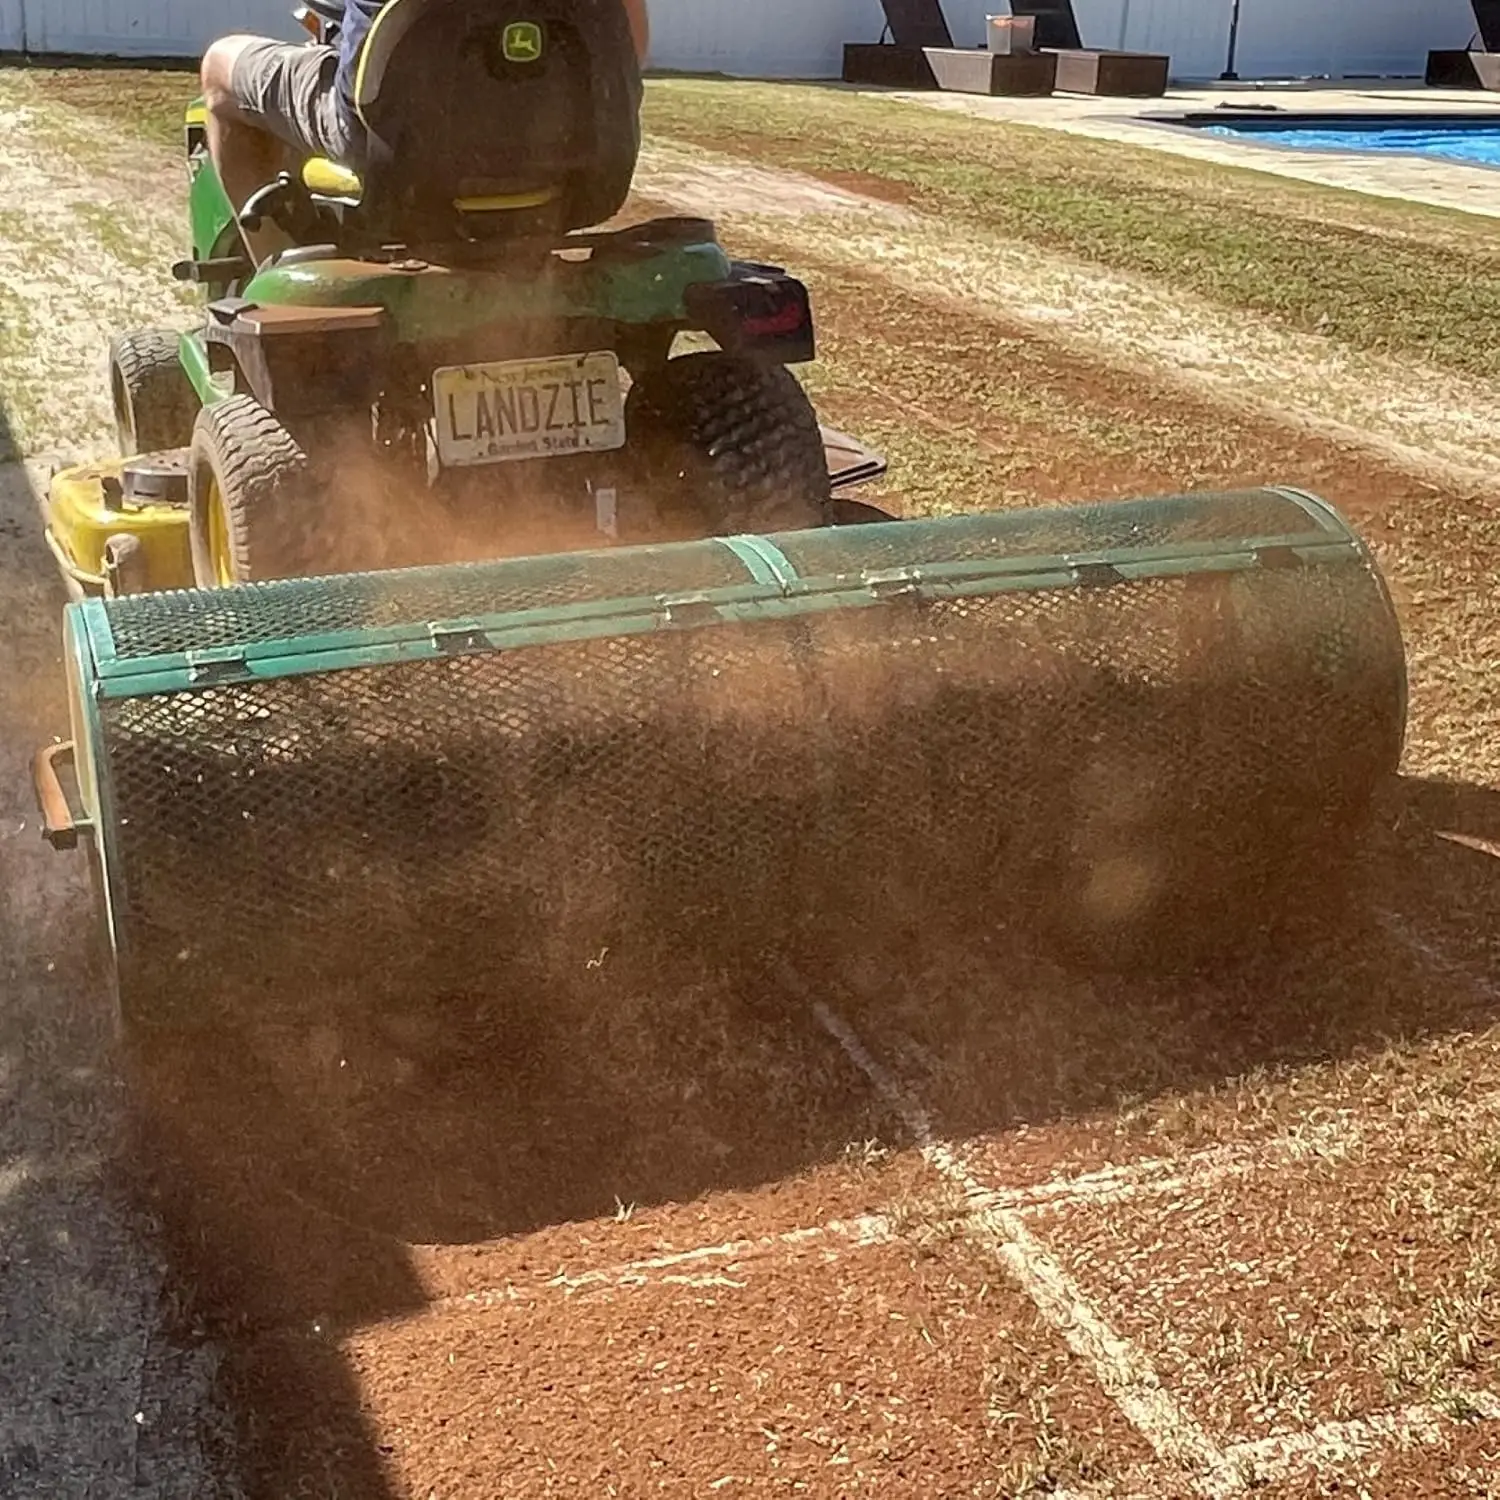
1121, 1369
1274, 1460
1160, 1176
675, 1268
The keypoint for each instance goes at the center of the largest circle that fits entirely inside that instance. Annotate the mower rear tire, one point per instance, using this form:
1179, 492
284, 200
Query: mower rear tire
154, 402
724, 444
253, 505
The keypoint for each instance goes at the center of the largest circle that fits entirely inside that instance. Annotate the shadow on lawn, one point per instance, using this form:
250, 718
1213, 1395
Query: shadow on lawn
998, 1039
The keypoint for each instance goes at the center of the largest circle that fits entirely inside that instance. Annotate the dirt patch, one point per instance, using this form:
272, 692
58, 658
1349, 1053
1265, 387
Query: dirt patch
1299, 1295
1430, 1457
810, 1371
700, 185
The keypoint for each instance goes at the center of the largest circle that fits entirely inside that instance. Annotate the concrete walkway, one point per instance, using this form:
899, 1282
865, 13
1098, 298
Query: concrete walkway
1442, 184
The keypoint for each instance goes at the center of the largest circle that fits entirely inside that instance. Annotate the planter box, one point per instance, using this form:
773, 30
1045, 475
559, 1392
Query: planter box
1118, 75
972, 72
1486, 67
1010, 34
886, 66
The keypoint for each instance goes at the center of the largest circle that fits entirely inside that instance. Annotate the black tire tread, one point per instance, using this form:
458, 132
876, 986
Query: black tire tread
728, 444
264, 478
162, 398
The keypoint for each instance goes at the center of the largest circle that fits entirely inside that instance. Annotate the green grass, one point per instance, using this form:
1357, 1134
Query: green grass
1377, 274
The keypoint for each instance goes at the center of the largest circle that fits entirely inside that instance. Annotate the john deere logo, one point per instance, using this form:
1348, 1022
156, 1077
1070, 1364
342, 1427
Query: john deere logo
522, 42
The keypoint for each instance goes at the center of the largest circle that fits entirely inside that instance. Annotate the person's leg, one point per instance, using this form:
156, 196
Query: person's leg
245, 151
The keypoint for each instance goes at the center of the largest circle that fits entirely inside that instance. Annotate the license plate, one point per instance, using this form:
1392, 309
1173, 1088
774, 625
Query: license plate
528, 408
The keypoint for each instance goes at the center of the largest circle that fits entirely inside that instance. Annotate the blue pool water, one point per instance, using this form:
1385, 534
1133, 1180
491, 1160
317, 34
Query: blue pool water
1463, 140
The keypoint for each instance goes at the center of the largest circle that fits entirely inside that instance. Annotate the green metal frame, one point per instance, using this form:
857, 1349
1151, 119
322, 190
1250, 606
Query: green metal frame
773, 589
432, 303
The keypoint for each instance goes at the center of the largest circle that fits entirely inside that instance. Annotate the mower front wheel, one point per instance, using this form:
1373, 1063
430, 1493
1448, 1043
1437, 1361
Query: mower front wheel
154, 401
726, 444
253, 512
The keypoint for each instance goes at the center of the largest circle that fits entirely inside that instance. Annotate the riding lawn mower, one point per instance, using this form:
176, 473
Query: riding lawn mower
448, 627
451, 361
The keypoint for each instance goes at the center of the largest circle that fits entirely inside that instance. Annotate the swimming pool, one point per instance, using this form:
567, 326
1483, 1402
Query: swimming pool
1464, 138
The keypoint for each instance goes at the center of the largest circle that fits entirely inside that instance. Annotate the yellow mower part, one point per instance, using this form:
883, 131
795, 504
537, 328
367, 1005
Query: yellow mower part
499, 203
81, 519
329, 180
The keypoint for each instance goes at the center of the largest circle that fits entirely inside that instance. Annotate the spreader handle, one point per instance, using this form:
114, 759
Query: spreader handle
60, 826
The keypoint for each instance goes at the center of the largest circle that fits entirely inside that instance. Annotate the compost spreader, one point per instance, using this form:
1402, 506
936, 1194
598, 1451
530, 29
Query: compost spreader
1111, 727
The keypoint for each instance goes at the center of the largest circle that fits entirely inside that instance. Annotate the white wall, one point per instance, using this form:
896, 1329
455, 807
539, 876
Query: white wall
770, 38
1281, 38
804, 38
140, 28
1193, 33
10, 25
1339, 37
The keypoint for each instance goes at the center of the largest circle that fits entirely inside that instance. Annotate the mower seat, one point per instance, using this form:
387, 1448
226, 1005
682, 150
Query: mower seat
491, 118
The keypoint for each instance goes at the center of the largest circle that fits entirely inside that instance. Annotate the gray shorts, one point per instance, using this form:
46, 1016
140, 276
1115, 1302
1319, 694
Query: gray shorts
290, 90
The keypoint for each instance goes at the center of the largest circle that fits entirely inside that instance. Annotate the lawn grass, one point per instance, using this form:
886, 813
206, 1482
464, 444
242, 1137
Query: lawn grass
142, 102
1376, 274
1373, 273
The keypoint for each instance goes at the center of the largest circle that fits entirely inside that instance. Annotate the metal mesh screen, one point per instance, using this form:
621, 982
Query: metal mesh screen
155, 624
1105, 766
1184, 520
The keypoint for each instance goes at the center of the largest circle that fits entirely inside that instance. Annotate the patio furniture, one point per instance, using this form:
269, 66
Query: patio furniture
1008, 34
972, 71
1092, 70
1475, 67
1118, 75
898, 59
